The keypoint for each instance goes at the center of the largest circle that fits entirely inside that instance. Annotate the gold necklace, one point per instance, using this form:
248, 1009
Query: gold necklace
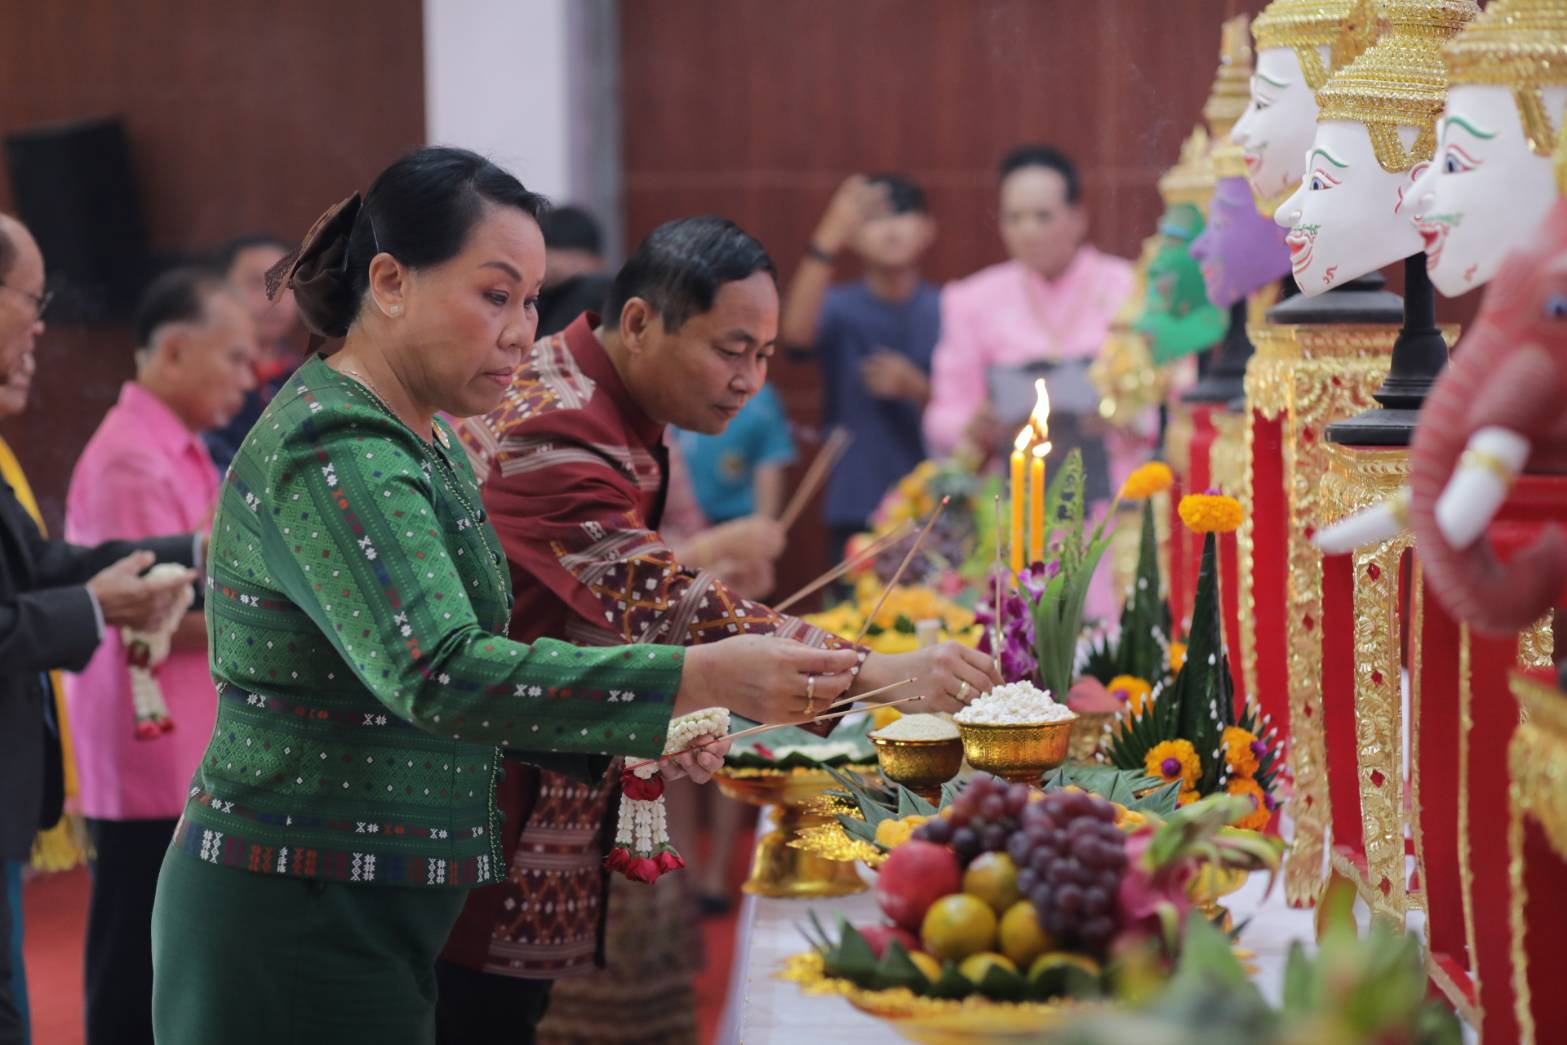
369, 386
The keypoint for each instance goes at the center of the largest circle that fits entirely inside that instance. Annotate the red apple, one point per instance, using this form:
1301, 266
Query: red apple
916, 875
878, 936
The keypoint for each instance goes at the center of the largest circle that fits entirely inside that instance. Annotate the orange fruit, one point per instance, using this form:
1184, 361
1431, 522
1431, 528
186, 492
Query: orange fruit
957, 926
993, 878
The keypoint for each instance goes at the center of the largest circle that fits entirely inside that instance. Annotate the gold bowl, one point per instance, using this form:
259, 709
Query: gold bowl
1088, 733
1022, 751
922, 766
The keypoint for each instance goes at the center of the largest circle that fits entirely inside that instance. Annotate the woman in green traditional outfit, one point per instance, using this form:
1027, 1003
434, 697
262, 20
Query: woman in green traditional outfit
357, 600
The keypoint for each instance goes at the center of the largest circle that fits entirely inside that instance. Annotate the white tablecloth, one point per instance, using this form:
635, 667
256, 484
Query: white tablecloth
764, 1010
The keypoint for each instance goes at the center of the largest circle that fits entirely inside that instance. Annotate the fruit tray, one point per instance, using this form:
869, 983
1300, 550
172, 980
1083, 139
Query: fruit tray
935, 1021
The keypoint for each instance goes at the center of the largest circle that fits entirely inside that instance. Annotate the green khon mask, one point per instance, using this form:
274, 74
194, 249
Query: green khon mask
1177, 316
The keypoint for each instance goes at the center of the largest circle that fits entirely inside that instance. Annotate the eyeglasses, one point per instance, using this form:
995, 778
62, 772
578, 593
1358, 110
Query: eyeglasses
40, 301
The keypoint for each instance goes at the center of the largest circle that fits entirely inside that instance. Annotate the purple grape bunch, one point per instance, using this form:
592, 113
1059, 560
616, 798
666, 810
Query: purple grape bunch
1069, 854
1075, 859
984, 818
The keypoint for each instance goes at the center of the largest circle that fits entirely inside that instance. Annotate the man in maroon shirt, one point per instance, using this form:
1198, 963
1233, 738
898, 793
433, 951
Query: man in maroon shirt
575, 475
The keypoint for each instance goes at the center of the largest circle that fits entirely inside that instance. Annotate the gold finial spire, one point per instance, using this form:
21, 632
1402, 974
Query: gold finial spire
1191, 179
1401, 81
1344, 27
1231, 91
1521, 44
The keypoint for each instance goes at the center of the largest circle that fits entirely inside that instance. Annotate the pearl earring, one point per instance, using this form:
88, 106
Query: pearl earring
395, 310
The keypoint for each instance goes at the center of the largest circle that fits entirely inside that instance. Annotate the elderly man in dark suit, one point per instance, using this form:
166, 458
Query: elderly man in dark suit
55, 600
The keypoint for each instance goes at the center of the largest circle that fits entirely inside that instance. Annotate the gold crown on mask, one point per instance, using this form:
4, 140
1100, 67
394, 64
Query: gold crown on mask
1401, 81
1344, 27
1521, 44
1191, 180
1231, 92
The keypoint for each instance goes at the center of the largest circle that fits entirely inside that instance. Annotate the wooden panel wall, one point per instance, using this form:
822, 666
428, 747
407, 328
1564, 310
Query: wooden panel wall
241, 117
756, 110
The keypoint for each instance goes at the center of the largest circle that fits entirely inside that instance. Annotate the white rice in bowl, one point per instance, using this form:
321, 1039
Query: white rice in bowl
1014, 704
918, 727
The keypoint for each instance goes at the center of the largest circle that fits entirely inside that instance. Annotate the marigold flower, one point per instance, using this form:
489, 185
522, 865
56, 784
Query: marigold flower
1174, 760
1186, 798
1211, 513
1177, 656
1132, 691
1240, 752
1149, 479
1258, 818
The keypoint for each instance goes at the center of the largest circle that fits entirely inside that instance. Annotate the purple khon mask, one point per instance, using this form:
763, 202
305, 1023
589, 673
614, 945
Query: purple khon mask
1240, 251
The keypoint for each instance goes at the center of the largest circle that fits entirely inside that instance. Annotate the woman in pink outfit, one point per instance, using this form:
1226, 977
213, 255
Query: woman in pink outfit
1052, 302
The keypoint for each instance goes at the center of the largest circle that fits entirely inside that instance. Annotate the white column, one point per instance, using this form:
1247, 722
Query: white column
496, 82
532, 85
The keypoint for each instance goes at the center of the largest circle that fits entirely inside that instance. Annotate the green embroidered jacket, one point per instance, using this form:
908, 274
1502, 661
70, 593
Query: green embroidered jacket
356, 607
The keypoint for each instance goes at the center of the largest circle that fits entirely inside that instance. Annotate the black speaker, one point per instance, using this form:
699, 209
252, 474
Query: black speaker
75, 191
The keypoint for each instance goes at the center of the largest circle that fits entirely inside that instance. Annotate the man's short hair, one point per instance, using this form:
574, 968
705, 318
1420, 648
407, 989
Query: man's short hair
905, 196
180, 295
680, 266
571, 228
7, 248
1048, 157
231, 250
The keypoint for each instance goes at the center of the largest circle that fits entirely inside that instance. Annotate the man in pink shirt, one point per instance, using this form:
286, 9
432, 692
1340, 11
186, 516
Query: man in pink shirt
146, 471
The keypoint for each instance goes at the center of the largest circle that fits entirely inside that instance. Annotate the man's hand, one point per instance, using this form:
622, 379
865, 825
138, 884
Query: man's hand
748, 578
984, 430
129, 600
856, 202
753, 537
892, 376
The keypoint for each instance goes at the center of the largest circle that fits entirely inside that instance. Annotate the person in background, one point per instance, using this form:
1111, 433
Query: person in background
741, 471
575, 276
873, 338
55, 600
244, 262
146, 471
1051, 301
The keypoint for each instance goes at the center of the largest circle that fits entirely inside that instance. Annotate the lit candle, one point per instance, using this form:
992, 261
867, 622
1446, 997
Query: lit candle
1036, 505
1019, 495
1039, 424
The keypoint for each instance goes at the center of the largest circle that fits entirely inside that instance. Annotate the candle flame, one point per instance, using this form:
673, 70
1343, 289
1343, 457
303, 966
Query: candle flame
1041, 449
1025, 436
1039, 420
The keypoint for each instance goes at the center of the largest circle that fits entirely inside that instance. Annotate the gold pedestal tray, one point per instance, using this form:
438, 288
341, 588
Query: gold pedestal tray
779, 869
1088, 733
935, 1021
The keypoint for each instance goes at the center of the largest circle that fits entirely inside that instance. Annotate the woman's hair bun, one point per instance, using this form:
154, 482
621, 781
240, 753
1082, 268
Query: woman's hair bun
318, 272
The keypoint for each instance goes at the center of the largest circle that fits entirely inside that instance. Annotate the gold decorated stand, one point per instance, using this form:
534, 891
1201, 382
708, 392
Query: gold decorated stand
1302, 378
778, 868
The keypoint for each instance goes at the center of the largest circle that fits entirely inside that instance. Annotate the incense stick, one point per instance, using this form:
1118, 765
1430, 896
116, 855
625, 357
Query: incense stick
841, 701
995, 618
815, 475
913, 551
865, 554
